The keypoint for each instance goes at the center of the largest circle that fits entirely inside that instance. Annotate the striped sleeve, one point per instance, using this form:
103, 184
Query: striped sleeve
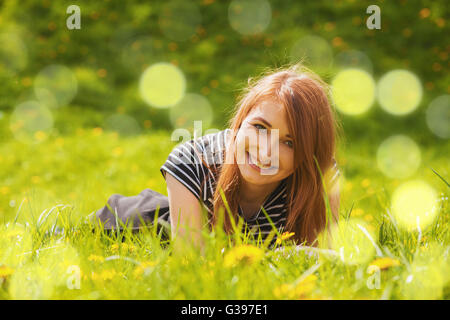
185, 165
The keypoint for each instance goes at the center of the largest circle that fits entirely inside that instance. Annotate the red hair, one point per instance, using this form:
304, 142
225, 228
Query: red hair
312, 122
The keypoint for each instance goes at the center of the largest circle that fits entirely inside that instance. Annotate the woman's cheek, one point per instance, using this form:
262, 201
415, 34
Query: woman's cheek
240, 148
287, 160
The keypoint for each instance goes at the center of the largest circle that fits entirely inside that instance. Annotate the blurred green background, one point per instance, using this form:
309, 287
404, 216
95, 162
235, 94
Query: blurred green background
89, 133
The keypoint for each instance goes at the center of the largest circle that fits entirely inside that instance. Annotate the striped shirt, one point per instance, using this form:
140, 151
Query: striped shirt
184, 164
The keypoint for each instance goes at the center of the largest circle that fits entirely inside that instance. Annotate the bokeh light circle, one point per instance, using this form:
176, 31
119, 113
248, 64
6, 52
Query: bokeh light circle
125, 125
399, 92
162, 85
398, 157
179, 19
31, 122
15, 240
55, 86
438, 116
428, 274
59, 259
353, 91
353, 59
352, 241
31, 282
414, 204
249, 17
13, 54
314, 50
193, 107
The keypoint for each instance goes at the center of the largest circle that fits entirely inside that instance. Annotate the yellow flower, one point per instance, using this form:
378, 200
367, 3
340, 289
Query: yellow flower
282, 291
4, 190
129, 247
144, 268
35, 179
108, 274
305, 286
97, 131
245, 254
117, 151
40, 135
96, 258
299, 291
124, 247
365, 183
385, 263
286, 235
5, 272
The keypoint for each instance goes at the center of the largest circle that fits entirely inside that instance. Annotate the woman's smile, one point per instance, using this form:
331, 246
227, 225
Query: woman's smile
255, 164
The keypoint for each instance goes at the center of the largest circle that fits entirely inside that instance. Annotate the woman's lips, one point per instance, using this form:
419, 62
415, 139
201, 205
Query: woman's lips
254, 165
251, 164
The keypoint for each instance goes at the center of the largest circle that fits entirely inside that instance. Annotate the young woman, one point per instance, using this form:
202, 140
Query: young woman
277, 154
280, 175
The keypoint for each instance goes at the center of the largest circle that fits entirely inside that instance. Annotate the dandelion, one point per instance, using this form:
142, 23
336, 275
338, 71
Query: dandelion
97, 131
299, 291
5, 272
124, 248
59, 142
35, 179
286, 235
128, 247
95, 258
245, 254
115, 248
117, 151
385, 263
305, 286
357, 212
144, 268
40, 135
283, 290
365, 183
108, 274
4, 190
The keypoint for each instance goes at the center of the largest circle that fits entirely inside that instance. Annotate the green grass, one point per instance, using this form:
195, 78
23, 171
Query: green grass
55, 184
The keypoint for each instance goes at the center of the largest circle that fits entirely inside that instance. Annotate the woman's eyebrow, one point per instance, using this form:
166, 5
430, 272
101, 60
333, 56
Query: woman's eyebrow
263, 120
268, 124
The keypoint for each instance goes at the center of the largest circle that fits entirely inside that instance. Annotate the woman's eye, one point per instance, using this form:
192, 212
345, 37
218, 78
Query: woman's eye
289, 144
259, 126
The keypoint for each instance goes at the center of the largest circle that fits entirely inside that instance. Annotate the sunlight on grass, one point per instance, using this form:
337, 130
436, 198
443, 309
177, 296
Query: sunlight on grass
48, 248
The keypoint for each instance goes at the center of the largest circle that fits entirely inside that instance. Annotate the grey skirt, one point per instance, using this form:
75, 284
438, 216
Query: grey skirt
136, 212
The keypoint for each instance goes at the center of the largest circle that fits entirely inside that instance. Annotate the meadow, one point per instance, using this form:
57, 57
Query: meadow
49, 250
81, 118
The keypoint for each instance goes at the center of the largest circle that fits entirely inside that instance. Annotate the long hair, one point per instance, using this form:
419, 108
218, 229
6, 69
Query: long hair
312, 122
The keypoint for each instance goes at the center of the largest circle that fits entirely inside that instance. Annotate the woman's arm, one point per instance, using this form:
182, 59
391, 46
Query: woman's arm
183, 205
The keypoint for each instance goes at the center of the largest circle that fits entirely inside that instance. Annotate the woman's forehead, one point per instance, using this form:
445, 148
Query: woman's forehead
272, 112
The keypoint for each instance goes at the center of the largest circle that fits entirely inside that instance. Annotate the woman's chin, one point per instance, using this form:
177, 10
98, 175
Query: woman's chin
251, 175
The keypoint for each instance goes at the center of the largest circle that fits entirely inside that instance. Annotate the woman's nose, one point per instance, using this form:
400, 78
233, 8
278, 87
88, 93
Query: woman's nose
264, 152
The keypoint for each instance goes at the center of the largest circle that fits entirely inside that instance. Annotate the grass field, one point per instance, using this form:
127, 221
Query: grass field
56, 183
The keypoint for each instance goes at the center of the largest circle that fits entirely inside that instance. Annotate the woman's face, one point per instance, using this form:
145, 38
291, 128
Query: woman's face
264, 145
